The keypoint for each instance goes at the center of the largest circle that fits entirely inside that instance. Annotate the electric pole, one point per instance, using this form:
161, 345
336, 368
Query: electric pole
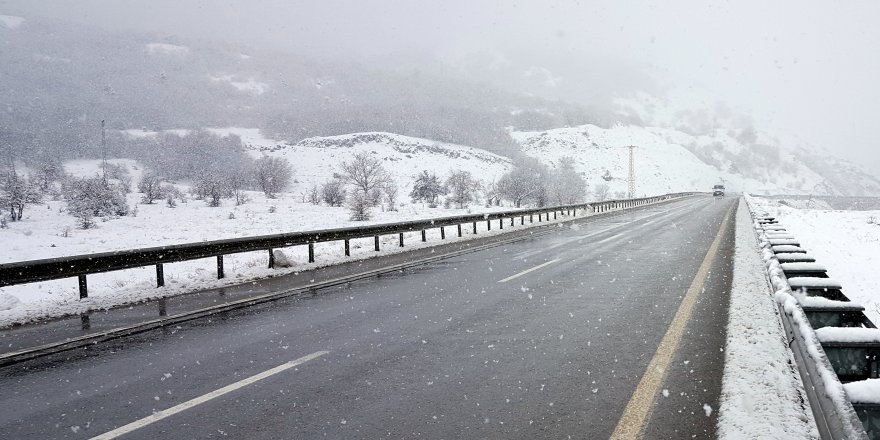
103, 153
632, 171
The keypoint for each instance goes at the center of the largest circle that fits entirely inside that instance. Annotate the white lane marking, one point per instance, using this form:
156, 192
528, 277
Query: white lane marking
609, 238
529, 270
155, 417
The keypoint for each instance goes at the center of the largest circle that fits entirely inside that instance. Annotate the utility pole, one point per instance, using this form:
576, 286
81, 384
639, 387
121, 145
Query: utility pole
103, 153
632, 171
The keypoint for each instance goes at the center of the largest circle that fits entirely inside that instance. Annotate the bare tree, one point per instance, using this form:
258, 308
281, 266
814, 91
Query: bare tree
427, 188
273, 175
526, 182
333, 193
151, 188
462, 188
238, 180
314, 195
16, 192
391, 190
212, 186
601, 191
359, 206
566, 186
366, 175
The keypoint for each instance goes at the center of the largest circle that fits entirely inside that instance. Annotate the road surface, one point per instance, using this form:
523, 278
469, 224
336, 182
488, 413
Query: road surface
548, 337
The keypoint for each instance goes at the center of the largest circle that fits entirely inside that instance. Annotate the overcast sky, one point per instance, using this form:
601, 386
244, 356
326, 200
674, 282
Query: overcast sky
806, 67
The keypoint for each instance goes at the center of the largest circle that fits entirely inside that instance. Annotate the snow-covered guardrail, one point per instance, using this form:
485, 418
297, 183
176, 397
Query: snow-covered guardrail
82, 265
839, 361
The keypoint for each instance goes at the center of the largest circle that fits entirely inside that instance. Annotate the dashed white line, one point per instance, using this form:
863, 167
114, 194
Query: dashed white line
155, 417
529, 270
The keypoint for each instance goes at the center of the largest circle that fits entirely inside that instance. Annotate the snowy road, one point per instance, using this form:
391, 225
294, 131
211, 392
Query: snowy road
547, 337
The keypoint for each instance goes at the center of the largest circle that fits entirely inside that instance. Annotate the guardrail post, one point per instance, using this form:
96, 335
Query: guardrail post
522, 220
160, 275
475, 227
424, 236
442, 233
377, 243
512, 219
401, 239
459, 230
488, 225
220, 273
271, 259
500, 223
531, 218
554, 215
83, 287
347, 248
311, 252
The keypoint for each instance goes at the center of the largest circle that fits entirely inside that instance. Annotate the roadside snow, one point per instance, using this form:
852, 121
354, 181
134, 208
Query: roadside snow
11, 21
848, 334
762, 396
863, 391
844, 241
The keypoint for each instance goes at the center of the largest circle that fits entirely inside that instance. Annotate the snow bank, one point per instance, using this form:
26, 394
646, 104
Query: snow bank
811, 282
825, 303
164, 48
785, 248
863, 391
802, 267
848, 334
761, 395
11, 21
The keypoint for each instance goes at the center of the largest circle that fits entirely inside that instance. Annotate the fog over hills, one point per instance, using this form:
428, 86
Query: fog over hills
55, 93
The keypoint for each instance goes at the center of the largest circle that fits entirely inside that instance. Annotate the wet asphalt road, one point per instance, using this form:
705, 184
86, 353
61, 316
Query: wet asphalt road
443, 350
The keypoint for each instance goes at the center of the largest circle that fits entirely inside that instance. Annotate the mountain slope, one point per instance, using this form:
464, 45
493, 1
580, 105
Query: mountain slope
665, 162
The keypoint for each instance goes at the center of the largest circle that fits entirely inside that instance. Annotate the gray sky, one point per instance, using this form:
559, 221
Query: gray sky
809, 68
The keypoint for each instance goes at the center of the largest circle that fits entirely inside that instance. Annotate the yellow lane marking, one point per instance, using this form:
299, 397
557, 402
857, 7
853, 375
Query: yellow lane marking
637, 413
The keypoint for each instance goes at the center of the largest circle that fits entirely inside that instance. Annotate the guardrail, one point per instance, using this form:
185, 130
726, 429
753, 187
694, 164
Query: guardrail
82, 265
818, 302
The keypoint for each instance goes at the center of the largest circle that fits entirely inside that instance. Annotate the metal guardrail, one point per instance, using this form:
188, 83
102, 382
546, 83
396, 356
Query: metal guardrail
836, 419
81, 265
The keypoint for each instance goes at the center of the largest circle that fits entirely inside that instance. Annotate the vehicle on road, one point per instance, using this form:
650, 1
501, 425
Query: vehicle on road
718, 190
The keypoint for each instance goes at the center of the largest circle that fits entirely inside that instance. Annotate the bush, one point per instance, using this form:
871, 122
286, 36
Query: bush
359, 206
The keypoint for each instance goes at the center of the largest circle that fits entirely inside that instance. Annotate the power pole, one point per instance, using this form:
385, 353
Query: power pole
103, 153
632, 171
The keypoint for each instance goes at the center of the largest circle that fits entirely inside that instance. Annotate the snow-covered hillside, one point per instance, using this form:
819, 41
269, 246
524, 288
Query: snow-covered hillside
731, 141
317, 159
665, 161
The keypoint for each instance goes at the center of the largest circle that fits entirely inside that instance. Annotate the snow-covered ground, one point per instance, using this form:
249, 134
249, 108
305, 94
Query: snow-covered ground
762, 396
662, 163
47, 231
846, 242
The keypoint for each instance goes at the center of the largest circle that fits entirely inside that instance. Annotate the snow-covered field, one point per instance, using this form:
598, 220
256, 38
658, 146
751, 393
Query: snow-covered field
47, 231
846, 242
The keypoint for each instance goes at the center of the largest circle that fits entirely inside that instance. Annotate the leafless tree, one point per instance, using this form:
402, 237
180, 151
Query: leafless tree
273, 175
359, 206
566, 186
366, 175
601, 191
16, 192
526, 182
391, 191
462, 187
151, 188
333, 193
314, 195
